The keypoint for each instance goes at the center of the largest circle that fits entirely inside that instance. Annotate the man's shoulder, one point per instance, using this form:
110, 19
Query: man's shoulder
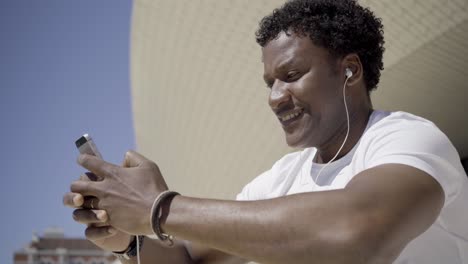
275, 181
385, 120
408, 139
281, 169
386, 126
293, 158
403, 132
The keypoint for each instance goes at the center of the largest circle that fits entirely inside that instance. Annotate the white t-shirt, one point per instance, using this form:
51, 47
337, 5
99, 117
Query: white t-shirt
390, 137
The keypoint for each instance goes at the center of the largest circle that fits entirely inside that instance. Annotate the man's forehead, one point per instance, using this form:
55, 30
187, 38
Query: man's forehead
286, 49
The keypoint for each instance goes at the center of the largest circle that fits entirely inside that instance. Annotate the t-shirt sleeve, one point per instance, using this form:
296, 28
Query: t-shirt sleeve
254, 190
274, 182
420, 144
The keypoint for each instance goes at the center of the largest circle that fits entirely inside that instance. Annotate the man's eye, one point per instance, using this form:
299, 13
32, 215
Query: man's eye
269, 84
291, 75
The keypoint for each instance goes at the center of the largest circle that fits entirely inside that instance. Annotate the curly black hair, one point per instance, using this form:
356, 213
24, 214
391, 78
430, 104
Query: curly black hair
340, 26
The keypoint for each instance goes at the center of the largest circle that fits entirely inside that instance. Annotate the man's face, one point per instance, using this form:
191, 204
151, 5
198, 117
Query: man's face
306, 90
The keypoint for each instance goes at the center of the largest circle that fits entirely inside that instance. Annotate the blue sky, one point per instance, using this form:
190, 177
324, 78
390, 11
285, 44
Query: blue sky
64, 71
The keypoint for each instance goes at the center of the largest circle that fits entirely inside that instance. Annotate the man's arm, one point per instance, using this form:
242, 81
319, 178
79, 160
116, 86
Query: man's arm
370, 221
99, 232
182, 252
153, 251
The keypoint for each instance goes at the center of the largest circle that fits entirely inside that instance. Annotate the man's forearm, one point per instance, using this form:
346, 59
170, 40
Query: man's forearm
154, 251
370, 221
271, 231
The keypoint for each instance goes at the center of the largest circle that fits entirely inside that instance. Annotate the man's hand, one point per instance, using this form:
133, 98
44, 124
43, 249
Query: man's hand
126, 193
98, 231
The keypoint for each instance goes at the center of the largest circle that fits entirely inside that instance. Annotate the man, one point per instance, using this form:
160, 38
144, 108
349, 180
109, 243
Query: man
369, 187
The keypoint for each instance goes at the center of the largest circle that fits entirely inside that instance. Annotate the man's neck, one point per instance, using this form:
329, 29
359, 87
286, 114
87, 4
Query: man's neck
358, 123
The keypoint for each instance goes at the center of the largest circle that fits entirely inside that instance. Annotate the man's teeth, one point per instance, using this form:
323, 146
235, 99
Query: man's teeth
292, 115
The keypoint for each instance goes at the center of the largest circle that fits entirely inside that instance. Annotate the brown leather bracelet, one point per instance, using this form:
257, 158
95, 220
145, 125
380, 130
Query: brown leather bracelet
131, 250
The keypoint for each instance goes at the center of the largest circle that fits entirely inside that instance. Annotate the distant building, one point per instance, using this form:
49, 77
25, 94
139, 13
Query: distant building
54, 248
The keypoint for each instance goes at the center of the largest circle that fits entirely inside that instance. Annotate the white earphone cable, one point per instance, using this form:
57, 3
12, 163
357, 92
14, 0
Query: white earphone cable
138, 249
347, 133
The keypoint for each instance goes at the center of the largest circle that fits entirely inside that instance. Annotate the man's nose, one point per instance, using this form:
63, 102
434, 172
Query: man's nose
279, 95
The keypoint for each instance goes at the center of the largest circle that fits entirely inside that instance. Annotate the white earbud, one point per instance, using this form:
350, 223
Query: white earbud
348, 73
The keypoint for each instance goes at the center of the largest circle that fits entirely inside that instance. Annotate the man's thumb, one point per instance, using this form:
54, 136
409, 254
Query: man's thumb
133, 159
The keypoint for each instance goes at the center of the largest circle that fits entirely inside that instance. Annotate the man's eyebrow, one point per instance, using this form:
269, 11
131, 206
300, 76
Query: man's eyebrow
282, 65
287, 63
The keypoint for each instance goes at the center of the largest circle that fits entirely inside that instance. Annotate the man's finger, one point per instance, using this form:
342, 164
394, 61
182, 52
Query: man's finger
85, 188
133, 159
89, 176
74, 200
86, 216
94, 233
96, 165
91, 203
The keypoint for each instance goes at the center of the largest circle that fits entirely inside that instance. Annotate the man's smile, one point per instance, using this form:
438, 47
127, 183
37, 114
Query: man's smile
288, 117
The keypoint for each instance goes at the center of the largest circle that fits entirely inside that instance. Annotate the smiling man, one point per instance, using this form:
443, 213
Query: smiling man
369, 187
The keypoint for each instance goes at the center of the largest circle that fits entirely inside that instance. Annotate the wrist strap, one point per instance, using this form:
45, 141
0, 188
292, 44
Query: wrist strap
132, 249
156, 214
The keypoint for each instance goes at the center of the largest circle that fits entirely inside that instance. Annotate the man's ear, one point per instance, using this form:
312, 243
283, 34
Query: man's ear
353, 63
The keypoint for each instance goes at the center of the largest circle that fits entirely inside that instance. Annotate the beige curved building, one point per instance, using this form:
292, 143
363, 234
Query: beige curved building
200, 104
